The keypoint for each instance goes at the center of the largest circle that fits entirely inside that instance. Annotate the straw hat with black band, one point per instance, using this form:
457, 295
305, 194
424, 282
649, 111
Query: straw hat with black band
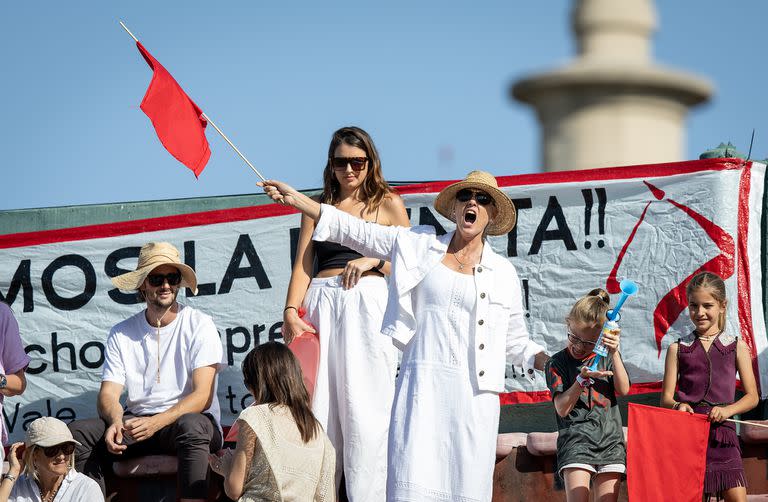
151, 256
506, 216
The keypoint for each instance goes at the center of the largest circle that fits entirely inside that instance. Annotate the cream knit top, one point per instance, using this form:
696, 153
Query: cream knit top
280, 466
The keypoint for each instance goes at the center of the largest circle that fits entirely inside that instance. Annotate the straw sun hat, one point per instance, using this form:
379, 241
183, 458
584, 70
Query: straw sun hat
151, 256
480, 180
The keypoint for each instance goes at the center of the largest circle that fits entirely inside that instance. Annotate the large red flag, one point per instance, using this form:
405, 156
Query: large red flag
666, 454
177, 119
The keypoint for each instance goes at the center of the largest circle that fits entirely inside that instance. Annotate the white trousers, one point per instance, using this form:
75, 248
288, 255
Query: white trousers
356, 380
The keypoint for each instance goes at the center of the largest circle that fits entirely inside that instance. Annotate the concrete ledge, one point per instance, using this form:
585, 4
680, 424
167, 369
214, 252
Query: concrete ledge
506, 442
542, 444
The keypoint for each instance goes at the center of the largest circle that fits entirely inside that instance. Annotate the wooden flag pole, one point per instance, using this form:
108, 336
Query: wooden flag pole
211, 122
745, 422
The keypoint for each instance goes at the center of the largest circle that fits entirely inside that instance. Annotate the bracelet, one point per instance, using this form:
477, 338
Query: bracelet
8, 476
379, 265
676, 406
584, 382
290, 307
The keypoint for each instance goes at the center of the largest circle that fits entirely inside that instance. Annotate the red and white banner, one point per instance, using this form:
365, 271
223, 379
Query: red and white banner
655, 224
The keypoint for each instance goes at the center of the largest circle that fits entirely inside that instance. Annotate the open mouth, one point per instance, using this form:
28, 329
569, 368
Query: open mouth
470, 216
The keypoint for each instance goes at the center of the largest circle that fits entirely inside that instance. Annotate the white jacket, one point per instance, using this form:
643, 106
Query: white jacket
500, 334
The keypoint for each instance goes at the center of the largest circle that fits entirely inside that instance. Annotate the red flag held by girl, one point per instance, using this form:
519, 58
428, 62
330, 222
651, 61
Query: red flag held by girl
666, 454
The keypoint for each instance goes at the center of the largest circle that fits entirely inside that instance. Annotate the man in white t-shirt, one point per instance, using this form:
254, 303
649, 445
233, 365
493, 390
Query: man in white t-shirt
167, 358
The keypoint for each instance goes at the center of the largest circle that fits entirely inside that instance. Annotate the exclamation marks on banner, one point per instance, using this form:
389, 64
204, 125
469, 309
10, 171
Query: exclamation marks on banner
526, 298
588, 203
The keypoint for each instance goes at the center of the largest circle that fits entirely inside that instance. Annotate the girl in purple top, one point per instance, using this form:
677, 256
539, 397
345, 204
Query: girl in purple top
703, 367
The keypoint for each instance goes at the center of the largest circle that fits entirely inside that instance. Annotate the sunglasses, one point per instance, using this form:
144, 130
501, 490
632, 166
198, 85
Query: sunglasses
65, 448
356, 163
578, 341
157, 280
466, 194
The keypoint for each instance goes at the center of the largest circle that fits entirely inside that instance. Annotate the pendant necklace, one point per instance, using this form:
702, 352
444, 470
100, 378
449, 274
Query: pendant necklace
455, 257
159, 319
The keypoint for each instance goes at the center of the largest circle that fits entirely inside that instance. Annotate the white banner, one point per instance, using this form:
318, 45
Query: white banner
657, 225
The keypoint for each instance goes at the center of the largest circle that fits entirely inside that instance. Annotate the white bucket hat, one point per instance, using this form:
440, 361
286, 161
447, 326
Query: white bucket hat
151, 256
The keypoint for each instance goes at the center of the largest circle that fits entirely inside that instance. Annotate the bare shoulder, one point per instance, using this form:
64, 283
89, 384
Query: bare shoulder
393, 208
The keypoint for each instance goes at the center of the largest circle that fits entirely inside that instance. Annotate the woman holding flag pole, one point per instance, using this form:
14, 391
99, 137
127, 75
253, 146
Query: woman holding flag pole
455, 309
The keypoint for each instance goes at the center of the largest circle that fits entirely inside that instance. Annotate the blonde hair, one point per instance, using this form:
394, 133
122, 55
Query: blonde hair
30, 470
591, 309
716, 287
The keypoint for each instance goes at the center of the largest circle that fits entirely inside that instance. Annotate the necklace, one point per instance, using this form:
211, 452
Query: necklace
455, 257
54, 491
461, 265
159, 320
709, 338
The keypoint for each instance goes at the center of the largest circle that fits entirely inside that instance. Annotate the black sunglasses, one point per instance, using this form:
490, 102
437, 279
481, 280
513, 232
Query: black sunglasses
157, 280
356, 163
466, 194
65, 448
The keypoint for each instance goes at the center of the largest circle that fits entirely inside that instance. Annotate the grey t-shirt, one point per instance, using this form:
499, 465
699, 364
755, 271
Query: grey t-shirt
591, 433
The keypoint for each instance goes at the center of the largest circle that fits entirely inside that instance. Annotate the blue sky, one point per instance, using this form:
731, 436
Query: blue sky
429, 80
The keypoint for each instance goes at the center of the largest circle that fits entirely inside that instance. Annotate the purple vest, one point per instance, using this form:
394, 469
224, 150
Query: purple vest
707, 377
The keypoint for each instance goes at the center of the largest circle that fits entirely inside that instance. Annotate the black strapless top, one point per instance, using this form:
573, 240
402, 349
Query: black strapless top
332, 255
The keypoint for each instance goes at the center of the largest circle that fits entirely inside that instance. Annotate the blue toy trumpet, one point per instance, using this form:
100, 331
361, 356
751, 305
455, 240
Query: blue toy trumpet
628, 288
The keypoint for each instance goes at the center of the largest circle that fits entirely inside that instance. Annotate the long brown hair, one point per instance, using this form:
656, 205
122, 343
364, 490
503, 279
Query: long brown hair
592, 308
716, 286
272, 374
374, 188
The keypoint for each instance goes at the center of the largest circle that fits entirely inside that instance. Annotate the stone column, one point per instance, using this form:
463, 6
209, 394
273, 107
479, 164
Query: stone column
612, 105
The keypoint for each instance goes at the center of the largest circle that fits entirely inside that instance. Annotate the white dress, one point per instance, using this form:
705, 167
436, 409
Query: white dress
443, 430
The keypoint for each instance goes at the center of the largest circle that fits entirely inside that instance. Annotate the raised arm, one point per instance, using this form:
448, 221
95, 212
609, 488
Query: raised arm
286, 194
369, 239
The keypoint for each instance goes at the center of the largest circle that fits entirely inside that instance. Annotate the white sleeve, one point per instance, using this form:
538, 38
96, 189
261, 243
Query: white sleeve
521, 350
369, 239
205, 347
114, 368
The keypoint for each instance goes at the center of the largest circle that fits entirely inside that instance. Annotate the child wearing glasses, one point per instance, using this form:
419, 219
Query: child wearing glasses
689, 385
590, 443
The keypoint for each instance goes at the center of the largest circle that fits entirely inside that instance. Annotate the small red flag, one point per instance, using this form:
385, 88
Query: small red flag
177, 119
666, 454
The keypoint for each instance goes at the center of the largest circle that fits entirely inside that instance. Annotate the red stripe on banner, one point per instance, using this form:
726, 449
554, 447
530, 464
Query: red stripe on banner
268, 210
743, 277
585, 175
543, 396
144, 225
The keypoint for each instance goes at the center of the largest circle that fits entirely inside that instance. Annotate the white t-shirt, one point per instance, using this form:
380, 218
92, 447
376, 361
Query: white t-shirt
75, 487
131, 360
